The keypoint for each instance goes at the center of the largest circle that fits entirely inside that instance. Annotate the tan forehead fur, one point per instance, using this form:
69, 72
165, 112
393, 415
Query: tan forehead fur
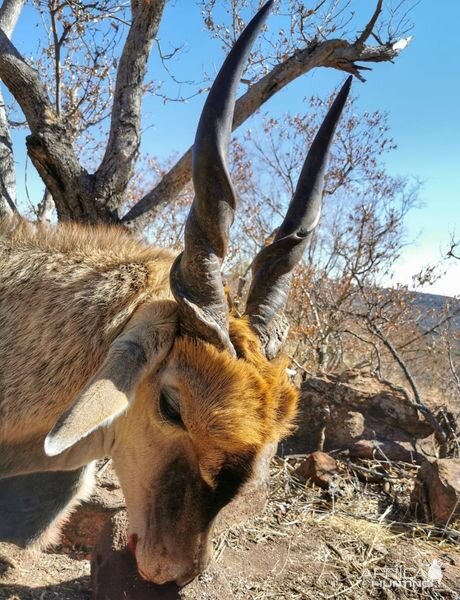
237, 404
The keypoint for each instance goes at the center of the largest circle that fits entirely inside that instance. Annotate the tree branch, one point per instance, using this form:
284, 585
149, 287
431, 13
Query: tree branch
453, 313
418, 402
9, 13
25, 85
452, 367
57, 57
7, 167
121, 153
370, 26
454, 245
49, 144
45, 207
338, 54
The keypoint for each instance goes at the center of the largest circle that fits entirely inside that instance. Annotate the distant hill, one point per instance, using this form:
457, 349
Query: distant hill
431, 308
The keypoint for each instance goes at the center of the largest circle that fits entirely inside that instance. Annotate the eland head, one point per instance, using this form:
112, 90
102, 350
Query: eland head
191, 392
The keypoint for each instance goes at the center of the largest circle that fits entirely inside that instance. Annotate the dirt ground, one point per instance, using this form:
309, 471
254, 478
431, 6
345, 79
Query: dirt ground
356, 540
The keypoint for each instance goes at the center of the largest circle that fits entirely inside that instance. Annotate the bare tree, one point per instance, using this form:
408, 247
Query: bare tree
321, 37
454, 246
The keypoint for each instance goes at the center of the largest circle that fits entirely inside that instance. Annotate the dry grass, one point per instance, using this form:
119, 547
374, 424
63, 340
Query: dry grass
346, 542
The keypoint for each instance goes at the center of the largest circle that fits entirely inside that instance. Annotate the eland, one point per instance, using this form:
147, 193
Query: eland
112, 347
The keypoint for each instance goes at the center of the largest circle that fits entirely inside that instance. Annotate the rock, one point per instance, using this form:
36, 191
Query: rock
385, 449
87, 521
114, 573
355, 424
319, 467
337, 411
436, 494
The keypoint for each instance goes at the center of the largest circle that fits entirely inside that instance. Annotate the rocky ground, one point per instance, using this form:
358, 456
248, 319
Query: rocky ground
357, 537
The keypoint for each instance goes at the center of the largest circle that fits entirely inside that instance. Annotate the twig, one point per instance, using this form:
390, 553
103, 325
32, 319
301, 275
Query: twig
370, 26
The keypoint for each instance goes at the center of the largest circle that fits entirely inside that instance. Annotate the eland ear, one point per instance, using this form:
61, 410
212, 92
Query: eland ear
148, 336
106, 397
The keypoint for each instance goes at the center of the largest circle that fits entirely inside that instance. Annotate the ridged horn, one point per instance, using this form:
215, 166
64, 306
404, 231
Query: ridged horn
272, 267
195, 276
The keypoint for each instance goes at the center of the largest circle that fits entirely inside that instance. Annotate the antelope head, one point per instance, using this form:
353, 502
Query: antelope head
200, 417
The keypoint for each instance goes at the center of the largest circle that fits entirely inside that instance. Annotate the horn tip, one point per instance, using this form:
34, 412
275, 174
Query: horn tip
266, 8
347, 85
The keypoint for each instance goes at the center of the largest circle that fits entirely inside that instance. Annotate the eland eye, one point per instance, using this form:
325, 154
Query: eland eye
170, 408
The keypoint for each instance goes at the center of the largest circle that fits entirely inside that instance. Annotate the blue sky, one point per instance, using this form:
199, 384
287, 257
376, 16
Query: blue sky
420, 92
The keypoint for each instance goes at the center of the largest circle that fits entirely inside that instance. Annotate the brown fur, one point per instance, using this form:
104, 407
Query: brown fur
65, 294
87, 326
